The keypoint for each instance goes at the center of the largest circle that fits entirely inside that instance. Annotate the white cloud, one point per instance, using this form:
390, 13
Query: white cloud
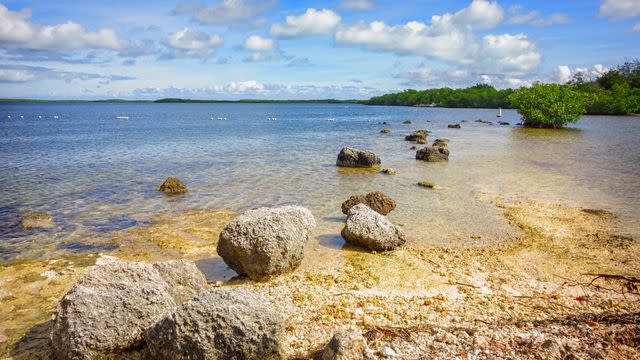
450, 37
357, 4
620, 8
563, 73
534, 17
244, 86
15, 75
312, 22
190, 43
258, 43
16, 30
225, 11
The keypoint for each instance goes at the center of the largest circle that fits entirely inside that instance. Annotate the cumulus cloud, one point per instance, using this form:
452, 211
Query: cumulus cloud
357, 4
16, 30
534, 17
244, 86
312, 22
619, 8
225, 11
563, 73
450, 37
258, 43
191, 43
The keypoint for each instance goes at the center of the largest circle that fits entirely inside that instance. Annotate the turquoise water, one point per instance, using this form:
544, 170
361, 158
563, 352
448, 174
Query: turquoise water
95, 173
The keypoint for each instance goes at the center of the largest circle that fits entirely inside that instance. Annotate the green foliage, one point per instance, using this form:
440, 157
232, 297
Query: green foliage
478, 96
550, 105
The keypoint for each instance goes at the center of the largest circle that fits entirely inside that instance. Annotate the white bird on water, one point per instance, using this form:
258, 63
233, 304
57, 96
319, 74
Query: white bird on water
56, 117
39, 116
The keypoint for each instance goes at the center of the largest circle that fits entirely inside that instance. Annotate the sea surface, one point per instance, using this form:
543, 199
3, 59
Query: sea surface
96, 173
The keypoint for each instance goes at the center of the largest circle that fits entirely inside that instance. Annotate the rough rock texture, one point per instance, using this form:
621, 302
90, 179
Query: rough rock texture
417, 135
266, 241
184, 279
433, 154
36, 220
454, 126
218, 324
346, 345
110, 307
389, 171
376, 201
173, 186
350, 157
368, 229
440, 142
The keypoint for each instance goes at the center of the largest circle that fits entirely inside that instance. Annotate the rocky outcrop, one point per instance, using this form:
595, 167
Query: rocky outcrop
112, 305
433, 154
267, 241
350, 157
453, 126
218, 324
440, 142
346, 345
417, 135
367, 228
376, 201
36, 220
173, 186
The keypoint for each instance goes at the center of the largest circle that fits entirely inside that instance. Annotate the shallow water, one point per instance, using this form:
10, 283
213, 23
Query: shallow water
95, 173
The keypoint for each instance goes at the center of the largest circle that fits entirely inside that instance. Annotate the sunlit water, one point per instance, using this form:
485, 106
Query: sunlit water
95, 173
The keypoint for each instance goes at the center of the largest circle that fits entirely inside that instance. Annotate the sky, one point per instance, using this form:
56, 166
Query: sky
277, 49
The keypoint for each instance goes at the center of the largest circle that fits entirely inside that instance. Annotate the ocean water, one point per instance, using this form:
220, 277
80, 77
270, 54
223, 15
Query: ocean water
95, 173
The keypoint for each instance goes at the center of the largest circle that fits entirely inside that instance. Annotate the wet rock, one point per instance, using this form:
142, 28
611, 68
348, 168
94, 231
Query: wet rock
184, 278
421, 141
427, 184
440, 142
350, 157
345, 345
218, 324
36, 220
389, 171
453, 126
173, 186
267, 241
386, 123
371, 230
483, 121
385, 131
413, 148
407, 122
418, 134
112, 305
376, 201
503, 123
433, 154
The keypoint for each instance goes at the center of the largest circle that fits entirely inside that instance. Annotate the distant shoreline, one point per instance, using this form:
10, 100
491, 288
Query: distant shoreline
192, 101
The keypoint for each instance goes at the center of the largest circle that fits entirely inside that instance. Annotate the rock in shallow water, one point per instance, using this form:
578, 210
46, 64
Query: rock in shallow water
350, 157
266, 241
173, 185
36, 220
417, 135
377, 201
218, 324
112, 305
433, 154
369, 229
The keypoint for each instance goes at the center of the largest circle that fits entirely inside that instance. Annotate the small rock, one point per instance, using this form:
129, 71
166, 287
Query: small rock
407, 122
433, 154
386, 123
345, 345
376, 201
267, 241
483, 121
173, 186
503, 123
453, 126
350, 157
371, 230
427, 184
385, 131
440, 142
413, 147
218, 324
389, 171
418, 134
36, 220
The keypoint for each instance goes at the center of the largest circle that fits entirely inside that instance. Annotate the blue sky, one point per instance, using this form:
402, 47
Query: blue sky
345, 49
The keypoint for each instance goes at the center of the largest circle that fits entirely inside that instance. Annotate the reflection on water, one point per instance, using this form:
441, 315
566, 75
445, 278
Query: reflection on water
96, 174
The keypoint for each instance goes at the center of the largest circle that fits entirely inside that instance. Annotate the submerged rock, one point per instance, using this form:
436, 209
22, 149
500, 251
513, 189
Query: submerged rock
503, 123
350, 157
112, 305
377, 201
440, 142
407, 122
484, 121
218, 324
369, 229
266, 241
36, 220
173, 186
346, 345
413, 147
433, 154
427, 184
389, 171
453, 126
416, 135
385, 131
